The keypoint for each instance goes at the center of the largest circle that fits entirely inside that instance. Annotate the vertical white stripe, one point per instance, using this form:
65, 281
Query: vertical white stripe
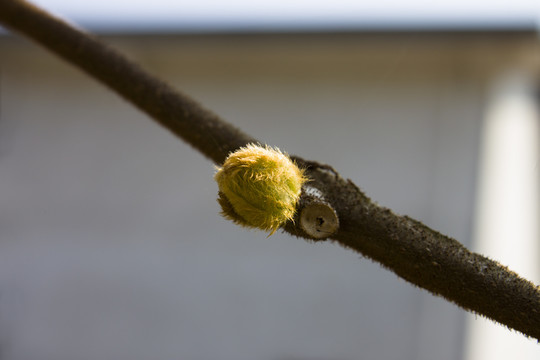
507, 211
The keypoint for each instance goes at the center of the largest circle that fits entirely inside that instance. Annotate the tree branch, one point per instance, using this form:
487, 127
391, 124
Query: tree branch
415, 252
177, 112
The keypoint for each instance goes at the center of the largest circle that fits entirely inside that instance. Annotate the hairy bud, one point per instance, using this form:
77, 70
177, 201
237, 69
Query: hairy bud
259, 187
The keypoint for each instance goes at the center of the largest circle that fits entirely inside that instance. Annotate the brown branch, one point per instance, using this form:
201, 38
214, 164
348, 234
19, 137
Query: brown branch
415, 252
177, 112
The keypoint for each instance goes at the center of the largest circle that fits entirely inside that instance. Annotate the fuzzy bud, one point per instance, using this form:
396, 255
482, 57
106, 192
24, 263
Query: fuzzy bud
259, 187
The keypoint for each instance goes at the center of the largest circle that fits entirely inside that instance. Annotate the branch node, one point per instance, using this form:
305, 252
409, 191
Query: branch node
317, 217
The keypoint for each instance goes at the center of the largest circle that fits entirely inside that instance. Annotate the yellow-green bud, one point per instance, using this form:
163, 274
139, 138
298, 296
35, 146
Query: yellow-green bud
259, 187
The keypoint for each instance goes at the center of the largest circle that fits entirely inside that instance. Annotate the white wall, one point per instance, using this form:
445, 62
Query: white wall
111, 246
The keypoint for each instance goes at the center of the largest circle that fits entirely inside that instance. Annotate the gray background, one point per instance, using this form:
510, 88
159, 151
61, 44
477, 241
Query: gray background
111, 245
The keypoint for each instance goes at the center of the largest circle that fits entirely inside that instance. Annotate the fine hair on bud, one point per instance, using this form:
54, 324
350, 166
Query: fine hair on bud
259, 187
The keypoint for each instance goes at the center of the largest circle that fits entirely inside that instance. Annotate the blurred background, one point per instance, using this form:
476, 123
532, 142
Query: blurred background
111, 243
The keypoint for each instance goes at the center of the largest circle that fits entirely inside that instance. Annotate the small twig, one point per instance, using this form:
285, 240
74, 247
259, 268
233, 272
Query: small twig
415, 252
177, 112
